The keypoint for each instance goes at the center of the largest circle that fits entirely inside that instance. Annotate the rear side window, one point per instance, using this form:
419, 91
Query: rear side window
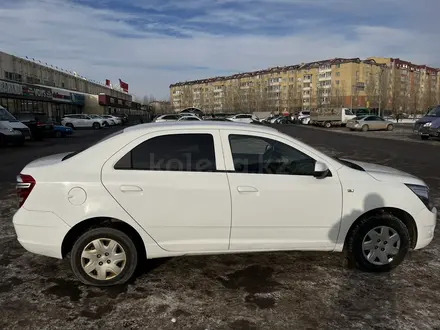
176, 152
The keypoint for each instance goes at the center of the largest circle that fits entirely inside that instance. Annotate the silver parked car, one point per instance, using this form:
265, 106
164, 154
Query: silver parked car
369, 123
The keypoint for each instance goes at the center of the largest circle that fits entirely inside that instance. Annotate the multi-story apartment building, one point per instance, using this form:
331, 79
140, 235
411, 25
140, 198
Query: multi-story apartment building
375, 83
28, 85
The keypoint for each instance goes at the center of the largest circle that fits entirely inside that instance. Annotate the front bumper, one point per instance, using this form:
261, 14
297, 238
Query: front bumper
429, 131
40, 232
14, 138
426, 222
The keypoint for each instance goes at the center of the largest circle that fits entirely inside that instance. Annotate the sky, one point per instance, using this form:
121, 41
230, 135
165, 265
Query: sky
151, 44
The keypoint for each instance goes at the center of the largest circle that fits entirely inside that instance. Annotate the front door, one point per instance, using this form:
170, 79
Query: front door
175, 187
277, 203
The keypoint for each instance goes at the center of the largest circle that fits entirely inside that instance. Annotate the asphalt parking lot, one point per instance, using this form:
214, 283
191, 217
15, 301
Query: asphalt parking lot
286, 290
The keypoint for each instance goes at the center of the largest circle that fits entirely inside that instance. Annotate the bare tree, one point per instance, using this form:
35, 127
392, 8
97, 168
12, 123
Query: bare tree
337, 96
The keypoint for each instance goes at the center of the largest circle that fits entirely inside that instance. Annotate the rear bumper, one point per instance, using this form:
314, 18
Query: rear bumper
40, 232
426, 222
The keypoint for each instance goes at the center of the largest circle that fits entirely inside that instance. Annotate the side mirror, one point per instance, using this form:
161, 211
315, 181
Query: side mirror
321, 170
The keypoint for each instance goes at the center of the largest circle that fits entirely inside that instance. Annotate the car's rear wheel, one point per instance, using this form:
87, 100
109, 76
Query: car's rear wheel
365, 128
58, 134
96, 126
327, 124
104, 257
378, 243
70, 125
390, 127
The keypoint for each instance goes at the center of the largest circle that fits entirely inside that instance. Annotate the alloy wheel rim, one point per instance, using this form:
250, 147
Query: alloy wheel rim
103, 259
380, 245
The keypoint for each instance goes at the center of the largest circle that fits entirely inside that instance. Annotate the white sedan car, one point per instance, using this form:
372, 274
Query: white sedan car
135, 200
243, 118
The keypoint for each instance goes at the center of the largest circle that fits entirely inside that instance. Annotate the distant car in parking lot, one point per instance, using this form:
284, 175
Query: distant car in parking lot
429, 125
114, 119
164, 118
189, 118
242, 118
7, 118
8, 135
369, 123
82, 121
135, 200
62, 131
39, 124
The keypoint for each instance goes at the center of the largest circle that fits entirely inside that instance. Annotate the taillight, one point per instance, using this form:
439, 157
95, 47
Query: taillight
25, 184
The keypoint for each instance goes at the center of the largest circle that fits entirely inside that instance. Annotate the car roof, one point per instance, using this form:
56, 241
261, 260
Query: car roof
201, 125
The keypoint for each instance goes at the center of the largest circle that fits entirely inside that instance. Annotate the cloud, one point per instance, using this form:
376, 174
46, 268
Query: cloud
151, 44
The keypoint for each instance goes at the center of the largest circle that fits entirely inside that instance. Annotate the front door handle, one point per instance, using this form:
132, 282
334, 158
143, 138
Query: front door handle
130, 188
246, 189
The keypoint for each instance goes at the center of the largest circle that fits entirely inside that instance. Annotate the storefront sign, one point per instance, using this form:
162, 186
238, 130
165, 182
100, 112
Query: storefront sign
61, 96
37, 92
78, 98
10, 88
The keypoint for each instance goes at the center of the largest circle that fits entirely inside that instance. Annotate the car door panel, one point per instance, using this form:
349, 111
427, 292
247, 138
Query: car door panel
182, 211
273, 211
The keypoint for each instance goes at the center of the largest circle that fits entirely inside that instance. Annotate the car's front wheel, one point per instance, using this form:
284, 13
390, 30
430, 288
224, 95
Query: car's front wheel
378, 243
104, 257
96, 126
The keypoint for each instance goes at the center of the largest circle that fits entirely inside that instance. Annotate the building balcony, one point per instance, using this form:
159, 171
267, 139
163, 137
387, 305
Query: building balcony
324, 70
325, 78
308, 80
307, 88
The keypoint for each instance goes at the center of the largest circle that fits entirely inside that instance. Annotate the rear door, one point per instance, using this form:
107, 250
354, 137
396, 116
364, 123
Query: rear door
175, 186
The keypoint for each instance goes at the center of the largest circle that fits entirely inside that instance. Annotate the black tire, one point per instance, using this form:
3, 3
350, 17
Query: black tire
390, 127
70, 125
110, 233
365, 128
424, 137
58, 134
327, 124
96, 126
359, 231
352, 129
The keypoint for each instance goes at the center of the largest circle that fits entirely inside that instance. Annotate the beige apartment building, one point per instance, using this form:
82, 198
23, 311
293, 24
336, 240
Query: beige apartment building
384, 83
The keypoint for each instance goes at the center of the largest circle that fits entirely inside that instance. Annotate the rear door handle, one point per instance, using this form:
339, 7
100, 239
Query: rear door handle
246, 189
130, 188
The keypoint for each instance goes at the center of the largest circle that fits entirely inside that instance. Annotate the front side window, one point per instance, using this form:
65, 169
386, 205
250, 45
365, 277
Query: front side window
176, 152
253, 154
434, 112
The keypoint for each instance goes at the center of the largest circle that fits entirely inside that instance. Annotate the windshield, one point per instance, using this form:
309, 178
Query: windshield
434, 112
5, 115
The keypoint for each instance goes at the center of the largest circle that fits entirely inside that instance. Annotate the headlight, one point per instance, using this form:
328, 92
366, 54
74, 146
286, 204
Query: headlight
428, 124
422, 193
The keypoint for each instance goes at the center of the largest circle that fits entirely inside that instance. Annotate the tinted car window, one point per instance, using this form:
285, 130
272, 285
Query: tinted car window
190, 118
176, 152
252, 154
369, 118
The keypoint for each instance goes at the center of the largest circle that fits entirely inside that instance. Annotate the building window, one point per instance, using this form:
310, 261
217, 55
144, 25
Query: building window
337, 82
338, 65
338, 74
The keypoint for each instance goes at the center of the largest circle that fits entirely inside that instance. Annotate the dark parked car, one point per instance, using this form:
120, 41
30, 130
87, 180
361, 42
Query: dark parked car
39, 123
123, 117
429, 125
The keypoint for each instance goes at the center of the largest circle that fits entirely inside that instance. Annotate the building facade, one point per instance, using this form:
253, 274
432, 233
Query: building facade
28, 86
339, 82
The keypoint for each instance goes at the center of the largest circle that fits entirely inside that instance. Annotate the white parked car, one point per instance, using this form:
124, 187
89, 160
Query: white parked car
135, 199
243, 118
82, 121
189, 118
111, 120
106, 122
305, 120
165, 118
117, 120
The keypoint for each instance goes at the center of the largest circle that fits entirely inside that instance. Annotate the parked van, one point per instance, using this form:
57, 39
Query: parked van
11, 121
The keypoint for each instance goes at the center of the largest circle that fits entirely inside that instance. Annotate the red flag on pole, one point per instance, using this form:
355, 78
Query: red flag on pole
123, 85
107, 82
